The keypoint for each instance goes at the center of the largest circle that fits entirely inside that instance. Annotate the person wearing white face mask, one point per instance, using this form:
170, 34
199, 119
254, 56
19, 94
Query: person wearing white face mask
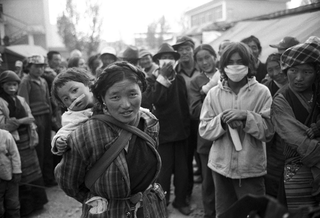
235, 116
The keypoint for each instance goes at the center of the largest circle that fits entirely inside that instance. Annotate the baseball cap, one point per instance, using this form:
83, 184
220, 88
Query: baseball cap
285, 43
183, 40
108, 50
37, 59
18, 64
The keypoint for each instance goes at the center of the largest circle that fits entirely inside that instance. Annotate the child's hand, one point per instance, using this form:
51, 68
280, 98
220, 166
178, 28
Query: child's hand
61, 145
310, 133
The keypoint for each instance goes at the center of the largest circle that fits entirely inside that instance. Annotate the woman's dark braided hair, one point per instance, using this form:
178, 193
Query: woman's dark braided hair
114, 73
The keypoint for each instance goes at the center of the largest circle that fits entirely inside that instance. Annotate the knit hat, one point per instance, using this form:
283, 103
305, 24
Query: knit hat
184, 40
8, 76
131, 52
143, 52
204, 47
37, 59
286, 42
308, 52
165, 48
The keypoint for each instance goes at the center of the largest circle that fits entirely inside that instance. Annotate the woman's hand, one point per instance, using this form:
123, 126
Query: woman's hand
26, 120
231, 115
167, 70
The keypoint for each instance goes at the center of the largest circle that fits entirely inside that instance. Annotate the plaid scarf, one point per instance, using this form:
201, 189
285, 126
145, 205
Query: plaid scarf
308, 52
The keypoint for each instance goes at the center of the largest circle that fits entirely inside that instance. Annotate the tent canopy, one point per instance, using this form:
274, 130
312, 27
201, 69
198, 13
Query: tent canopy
271, 31
26, 50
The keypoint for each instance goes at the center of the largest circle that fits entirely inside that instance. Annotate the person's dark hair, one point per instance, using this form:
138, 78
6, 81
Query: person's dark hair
252, 39
133, 61
51, 53
116, 72
91, 62
245, 53
71, 74
206, 47
274, 57
73, 62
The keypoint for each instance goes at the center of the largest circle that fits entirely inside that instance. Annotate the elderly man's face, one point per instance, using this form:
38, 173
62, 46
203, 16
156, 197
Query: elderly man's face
186, 53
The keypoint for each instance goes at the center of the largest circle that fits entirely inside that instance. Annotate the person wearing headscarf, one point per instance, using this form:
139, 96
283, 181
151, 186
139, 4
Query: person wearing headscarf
294, 110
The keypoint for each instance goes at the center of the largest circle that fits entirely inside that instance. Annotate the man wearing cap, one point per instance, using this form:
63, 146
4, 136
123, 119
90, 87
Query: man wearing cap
146, 63
107, 57
36, 93
285, 43
186, 67
19, 69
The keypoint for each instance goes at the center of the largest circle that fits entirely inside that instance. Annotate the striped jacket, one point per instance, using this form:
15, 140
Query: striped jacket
88, 143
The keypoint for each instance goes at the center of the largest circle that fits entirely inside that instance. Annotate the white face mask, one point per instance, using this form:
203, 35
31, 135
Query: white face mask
236, 72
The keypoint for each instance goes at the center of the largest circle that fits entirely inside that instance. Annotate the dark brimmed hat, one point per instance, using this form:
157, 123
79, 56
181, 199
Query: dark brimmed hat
206, 47
131, 53
184, 40
9, 76
286, 42
165, 48
308, 52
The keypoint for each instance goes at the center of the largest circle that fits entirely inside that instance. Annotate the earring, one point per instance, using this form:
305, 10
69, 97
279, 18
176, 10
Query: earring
104, 105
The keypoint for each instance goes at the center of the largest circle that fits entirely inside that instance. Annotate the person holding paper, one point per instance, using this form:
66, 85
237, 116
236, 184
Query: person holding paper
235, 116
167, 93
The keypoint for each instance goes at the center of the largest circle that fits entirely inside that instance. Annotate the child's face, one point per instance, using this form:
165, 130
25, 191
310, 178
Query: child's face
36, 70
75, 94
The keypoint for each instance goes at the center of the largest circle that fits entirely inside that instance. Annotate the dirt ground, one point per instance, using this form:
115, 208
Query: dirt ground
62, 206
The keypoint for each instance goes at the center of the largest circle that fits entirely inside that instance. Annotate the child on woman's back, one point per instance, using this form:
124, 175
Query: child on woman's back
71, 89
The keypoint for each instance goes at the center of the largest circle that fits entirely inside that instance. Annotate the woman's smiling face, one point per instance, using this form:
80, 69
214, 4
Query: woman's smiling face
123, 100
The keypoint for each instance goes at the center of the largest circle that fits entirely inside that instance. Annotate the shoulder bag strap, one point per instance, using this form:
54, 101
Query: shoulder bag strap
104, 162
108, 119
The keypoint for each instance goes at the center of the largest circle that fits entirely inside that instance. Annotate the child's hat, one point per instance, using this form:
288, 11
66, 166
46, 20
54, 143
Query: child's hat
37, 59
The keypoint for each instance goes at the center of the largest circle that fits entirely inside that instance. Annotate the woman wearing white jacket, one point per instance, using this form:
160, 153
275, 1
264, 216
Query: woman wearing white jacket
235, 116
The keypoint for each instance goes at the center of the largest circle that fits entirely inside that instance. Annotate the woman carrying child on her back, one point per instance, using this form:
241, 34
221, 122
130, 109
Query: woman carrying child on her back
126, 187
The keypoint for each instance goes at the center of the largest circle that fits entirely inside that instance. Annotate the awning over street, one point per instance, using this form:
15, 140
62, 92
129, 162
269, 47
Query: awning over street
273, 30
26, 50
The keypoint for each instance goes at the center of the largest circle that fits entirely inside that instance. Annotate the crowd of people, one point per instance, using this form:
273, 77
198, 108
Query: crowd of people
128, 128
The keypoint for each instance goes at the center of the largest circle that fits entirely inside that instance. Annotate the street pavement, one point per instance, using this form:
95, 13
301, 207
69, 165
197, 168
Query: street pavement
62, 206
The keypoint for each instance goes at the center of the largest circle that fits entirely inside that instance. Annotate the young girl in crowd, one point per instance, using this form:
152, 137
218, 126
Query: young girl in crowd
231, 117
71, 89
